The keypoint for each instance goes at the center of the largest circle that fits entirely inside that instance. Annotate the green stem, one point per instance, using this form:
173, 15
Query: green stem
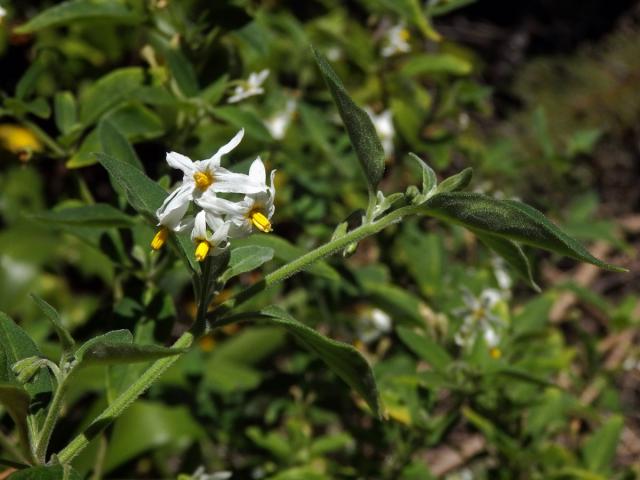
50, 420
123, 401
322, 251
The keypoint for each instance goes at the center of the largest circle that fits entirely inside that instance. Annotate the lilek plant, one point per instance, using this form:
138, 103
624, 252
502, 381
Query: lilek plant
198, 221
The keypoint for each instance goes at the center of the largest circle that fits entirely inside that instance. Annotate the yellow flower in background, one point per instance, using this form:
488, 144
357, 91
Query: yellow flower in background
19, 140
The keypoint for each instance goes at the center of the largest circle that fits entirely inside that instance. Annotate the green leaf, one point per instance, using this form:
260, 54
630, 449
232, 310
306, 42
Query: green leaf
118, 347
426, 348
182, 71
214, 92
65, 111
600, 448
98, 215
358, 124
145, 196
429, 178
66, 340
115, 144
510, 220
456, 182
16, 345
74, 11
342, 358
16, 400
513, 255
242, 118
437, 63
245, 259
286, 252
54, 472
110, 90
147, 426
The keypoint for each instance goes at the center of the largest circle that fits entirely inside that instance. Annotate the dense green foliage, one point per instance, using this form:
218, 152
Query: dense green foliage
404, 320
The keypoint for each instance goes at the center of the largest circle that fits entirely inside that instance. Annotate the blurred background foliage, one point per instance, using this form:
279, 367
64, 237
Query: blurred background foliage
481, 377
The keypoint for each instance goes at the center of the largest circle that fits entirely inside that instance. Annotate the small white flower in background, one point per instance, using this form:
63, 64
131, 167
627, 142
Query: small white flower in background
279, 123
334, 54
254, 211
250, 87
3, 13
502, 275
479, 318
372, 323
383, 123
220, 219
396, 41
201, 474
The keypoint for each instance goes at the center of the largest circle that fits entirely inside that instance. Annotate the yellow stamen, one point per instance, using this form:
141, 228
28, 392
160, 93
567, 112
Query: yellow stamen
404, 34
203, 180
202, 250
495, 353
159, 238
19, 140
260, 221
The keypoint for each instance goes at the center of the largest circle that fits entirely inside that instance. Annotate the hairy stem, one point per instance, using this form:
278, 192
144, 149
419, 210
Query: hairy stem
322, 251
51, 419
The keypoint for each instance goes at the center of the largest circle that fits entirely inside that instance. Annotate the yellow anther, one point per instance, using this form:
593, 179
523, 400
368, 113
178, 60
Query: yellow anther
495, 353
260, 221
203, 180
404, 34
202, 250
160, 238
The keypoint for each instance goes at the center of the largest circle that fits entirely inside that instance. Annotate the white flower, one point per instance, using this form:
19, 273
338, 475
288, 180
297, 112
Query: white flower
396, 41
383, 124
199, 177
254, 211
3, 13
250, 87
479, 318
201, 474
278, 124
372, 323
209, 243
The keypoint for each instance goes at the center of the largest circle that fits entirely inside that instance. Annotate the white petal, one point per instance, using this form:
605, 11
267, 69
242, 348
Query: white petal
257, 172
262, 76
180, 162
220, 206
233, 143
200, 226
229, 182
175, 206
221, 234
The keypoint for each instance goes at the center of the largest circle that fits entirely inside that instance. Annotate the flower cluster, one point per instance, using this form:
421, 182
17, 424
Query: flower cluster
218, 218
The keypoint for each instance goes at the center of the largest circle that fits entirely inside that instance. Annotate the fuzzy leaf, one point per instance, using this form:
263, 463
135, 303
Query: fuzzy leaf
53, 472
361, 131
245, 259
99, 215
456, 182
510, 220
342, 358
66, 340
118, 347
115, 144
79, 10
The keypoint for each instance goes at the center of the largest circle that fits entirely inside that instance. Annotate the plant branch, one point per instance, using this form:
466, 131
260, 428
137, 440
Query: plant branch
51, 419
329, 248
